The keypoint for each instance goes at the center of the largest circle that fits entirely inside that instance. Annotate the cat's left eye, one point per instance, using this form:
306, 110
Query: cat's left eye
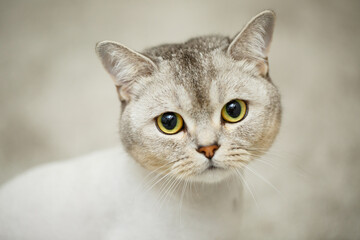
170, 123
234, 111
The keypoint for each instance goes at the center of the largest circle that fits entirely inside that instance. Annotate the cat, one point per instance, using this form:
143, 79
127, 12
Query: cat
192, 116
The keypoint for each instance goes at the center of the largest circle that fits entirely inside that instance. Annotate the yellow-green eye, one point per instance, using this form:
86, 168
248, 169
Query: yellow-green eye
234, 111
170, 122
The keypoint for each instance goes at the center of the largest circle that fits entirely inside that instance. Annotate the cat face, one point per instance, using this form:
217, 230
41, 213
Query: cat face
201, 110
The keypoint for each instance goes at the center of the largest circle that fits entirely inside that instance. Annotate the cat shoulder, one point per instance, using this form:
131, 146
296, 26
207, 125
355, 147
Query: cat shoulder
60, 195
67, 180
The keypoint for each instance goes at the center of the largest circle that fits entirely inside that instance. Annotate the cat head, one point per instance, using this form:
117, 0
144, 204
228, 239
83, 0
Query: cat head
200, 110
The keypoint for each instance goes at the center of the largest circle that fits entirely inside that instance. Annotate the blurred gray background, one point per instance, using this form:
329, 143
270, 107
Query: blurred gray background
56, 101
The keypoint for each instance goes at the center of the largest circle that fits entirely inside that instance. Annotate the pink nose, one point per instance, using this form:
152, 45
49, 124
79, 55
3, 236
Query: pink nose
208, 151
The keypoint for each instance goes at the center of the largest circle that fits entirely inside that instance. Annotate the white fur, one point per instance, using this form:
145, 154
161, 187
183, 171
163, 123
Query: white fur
104, 196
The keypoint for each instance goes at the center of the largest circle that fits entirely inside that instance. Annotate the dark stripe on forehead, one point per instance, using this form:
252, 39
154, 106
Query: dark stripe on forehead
192, 71
191, 65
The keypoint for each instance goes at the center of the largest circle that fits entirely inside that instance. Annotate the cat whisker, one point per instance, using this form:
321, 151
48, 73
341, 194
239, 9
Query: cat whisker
236, 155
245, 183
154, 178
164, 195
171, 189
160, 174
273, 152
182, 197
262, 178
191, 189
236, 148
145, 185
255, 149
279, 164
176, 179
156, 169
267, 163
166, 175
183, 158
166, 184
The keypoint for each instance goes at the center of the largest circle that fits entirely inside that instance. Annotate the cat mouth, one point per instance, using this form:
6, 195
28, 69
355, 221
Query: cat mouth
212, 167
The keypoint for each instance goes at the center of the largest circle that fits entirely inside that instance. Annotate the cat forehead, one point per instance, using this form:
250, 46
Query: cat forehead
196, 75
186, 66
197, 86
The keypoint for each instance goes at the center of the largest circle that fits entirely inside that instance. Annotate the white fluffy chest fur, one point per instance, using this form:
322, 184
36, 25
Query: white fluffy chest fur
107, 195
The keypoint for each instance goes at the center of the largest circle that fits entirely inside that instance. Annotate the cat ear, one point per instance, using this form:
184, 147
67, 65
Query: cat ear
253, 42
124, 65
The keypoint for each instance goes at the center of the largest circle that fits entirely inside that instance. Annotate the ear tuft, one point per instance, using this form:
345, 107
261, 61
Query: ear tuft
124, 65
253, 42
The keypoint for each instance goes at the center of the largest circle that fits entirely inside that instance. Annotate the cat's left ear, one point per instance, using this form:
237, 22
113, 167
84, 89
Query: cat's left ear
124, 65
253, 42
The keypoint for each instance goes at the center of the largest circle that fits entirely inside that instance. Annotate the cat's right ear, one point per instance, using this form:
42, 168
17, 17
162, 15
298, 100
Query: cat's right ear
124, 65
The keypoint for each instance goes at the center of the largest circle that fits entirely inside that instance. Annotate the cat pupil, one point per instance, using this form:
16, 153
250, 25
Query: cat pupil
169, 120
233, 108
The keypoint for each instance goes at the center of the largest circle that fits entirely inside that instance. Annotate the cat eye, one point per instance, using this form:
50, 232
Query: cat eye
169, 123
234, 111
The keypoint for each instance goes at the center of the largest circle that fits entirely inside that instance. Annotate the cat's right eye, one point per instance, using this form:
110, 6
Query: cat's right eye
169, 123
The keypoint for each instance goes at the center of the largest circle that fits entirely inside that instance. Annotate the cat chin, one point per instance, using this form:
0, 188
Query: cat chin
215, 175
